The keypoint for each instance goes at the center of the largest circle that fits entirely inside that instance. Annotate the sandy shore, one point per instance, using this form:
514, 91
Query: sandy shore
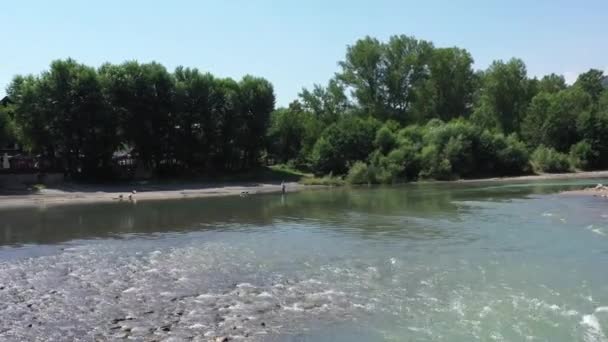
599, 190
545, 176
78, 194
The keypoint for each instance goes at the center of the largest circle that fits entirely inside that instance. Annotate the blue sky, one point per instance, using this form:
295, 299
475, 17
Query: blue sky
296, 43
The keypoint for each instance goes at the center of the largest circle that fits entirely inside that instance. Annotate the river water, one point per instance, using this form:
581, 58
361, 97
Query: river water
426, 262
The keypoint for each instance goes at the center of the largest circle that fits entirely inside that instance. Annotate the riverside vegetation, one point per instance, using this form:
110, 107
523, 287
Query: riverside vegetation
397, 110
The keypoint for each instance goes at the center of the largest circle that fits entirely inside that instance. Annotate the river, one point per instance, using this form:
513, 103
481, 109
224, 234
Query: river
421, 262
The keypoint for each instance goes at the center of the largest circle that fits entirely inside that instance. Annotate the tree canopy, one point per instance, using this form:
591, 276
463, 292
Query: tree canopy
399, 109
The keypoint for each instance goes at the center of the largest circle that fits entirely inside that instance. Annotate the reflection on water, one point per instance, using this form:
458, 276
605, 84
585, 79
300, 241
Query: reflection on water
447, 262
409, 204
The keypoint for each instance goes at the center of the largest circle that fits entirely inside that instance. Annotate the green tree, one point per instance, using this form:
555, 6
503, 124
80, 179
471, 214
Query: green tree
142, 97
504, 95
552, 118
343, 143
328, 104
8, 129
552, 83
406, 65
64, 115
289, 134
363, 72
591, 82
257, 102
448, 91
195, 127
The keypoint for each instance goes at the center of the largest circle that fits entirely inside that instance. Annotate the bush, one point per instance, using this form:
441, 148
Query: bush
413, 133
434, 165
582, 155
328, 180
342, 143
388, 169
359, 173
385, 140
514, 157
408, 156
547, 159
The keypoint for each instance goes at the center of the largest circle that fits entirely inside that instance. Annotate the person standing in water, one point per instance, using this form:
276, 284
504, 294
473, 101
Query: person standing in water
283, 190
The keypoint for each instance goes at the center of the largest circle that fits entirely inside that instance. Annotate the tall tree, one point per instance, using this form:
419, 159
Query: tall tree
552, 83
448, 91
64, 115
328, 104
406, 62
552, 118
591, 82
195, 126
142, 94
504, 95
257, 100
363, 71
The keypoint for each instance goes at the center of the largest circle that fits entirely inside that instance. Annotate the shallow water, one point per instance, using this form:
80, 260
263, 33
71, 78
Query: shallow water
427, 262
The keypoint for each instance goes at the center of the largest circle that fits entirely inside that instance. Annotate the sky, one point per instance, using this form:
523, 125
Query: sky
296, 44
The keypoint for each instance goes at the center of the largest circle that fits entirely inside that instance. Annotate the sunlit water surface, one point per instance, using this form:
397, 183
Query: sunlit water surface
428, 262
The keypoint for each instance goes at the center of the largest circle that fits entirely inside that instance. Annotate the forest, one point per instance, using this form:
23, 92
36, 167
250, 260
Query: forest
395, 110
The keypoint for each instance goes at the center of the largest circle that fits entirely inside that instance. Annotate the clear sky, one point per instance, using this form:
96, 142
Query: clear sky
295, 43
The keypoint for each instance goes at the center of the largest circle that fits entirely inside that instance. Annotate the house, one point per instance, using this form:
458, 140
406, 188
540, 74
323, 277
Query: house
5, 101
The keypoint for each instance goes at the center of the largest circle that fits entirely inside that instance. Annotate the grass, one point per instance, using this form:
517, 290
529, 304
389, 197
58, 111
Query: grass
306, 178
325, 180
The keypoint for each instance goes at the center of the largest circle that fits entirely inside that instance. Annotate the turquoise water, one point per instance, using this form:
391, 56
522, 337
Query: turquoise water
428, 262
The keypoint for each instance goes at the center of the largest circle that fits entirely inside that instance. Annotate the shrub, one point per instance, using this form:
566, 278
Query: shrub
385, 140
342, 143
387, 170
547, 159
412, 133
514, 157
328, 180
359, 173
434, 165
582, 155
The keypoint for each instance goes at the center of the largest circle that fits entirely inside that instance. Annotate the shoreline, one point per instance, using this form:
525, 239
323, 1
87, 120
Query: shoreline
541, 177
85, 194
70, 194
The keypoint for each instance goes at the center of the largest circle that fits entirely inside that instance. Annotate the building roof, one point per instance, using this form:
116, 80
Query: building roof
5, 100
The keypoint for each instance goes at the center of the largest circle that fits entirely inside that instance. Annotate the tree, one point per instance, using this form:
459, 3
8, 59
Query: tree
552, 83
142, 97
64, 115
343, 143
592, 83
448, 91
257, 102
406, 68
552, 118
8, 130
288, 134
328, 104
195, 127
363, 71
504, 95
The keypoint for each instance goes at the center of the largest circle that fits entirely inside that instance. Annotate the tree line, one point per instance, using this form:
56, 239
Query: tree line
79, 116
396, 110
404, 109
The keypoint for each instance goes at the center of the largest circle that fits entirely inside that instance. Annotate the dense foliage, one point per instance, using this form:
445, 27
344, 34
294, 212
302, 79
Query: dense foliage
395, 111
404, 109
79, 117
